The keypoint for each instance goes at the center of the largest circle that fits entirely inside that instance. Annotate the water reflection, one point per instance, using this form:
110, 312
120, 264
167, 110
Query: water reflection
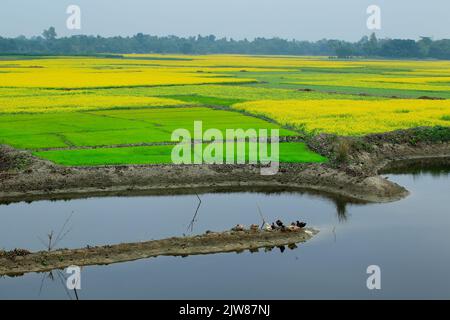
341, 210
194, 218
59, 278
435, 167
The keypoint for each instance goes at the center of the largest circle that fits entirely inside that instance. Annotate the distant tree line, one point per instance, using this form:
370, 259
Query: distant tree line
368, 46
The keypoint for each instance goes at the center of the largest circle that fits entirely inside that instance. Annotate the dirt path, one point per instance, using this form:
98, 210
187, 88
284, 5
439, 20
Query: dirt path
20, 262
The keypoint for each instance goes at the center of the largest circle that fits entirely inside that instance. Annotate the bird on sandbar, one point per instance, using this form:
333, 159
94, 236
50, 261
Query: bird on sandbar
267, 227
239, 227
301, 224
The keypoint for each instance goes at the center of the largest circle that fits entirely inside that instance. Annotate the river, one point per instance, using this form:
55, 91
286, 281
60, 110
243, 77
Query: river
408, 239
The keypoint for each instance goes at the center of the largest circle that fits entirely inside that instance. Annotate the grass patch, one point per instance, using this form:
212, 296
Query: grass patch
208, 101
293, 152
113, 127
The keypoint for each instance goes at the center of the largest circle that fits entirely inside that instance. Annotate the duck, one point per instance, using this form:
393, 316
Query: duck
239, 227
267, 227
301, 224
254, 227
293, 228
279, 223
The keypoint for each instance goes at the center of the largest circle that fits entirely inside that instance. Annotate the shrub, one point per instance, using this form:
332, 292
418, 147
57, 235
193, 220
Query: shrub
343, 150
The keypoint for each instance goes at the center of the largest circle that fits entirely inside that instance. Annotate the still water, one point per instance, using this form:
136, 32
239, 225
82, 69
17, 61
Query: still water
408, 239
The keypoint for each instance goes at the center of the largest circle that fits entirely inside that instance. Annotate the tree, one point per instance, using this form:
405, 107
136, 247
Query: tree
187, 48
424, 46
368, 46
440, 49
344, 51
398, 48
372, 46
49, 34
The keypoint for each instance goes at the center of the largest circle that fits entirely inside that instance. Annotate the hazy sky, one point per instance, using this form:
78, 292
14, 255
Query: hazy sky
299, 19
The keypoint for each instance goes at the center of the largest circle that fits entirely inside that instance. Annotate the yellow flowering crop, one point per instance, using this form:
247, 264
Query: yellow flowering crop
352, 117
79, 102
101, 73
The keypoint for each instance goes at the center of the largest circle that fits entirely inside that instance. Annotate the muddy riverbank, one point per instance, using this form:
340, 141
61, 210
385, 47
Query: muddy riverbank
353, 171
19, 262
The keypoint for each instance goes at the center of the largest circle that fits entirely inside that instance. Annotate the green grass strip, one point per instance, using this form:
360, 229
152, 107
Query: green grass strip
293, 152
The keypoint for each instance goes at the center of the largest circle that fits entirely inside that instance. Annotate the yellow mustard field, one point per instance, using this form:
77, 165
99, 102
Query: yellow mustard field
311, 93
351, 117
101, 73
58, 103
401, 83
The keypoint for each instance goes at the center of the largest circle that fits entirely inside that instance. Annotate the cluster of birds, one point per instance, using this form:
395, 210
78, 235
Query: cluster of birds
277, 225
